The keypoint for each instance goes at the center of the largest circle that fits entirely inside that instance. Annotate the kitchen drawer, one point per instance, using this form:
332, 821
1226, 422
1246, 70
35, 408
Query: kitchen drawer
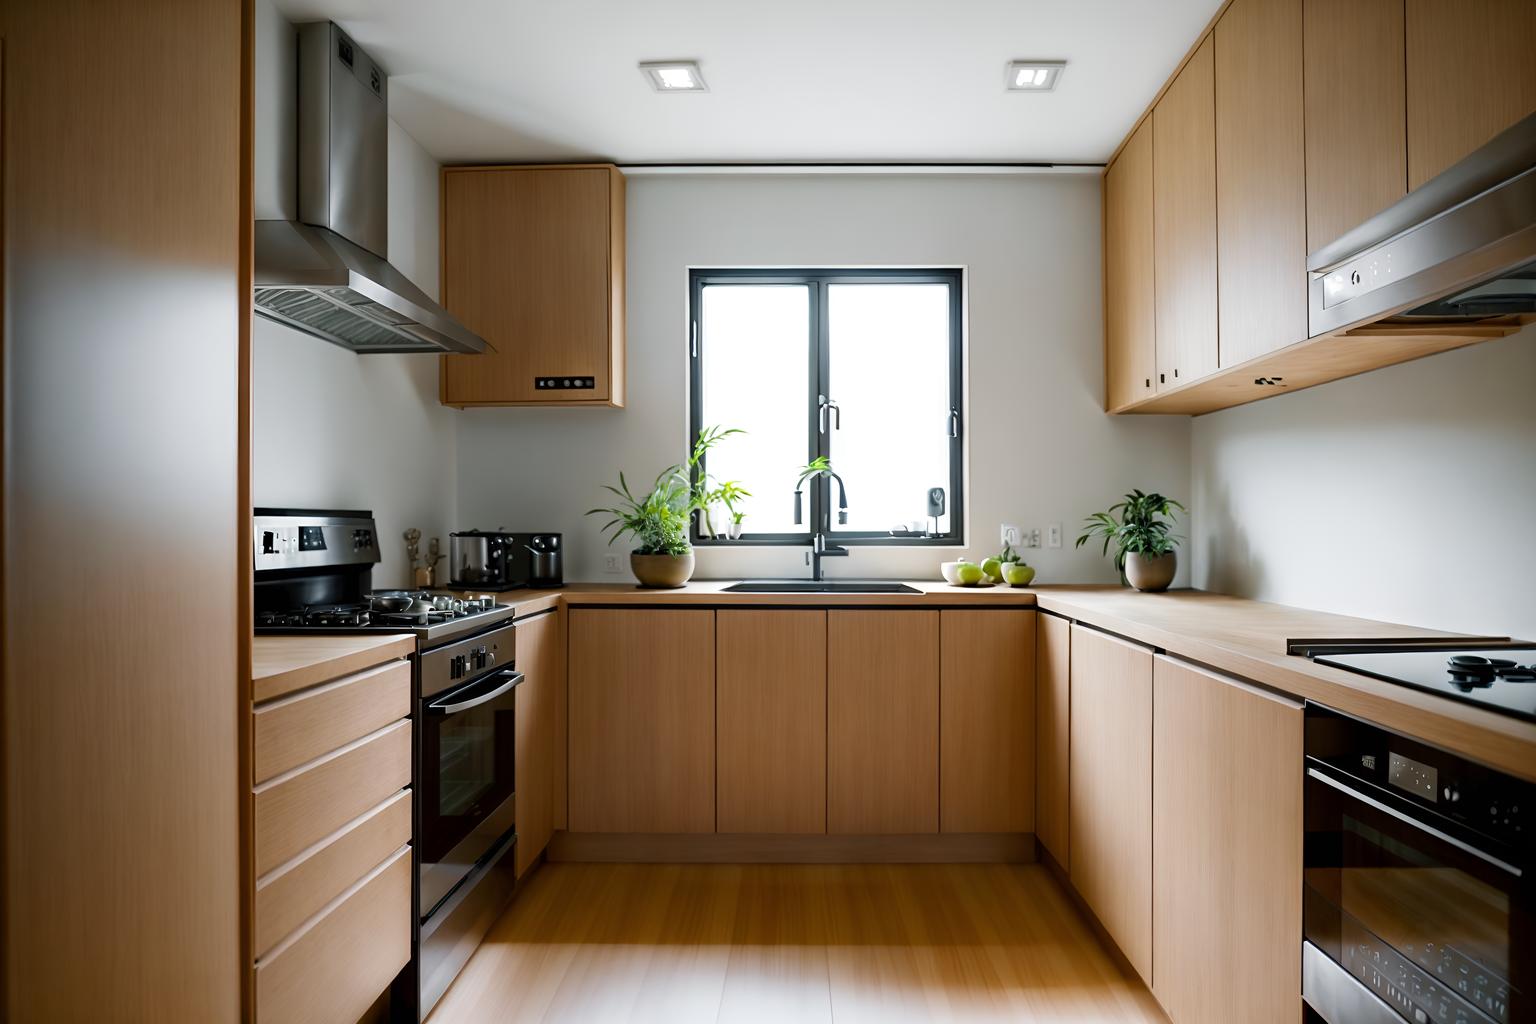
334, 967
296, 810
288, 732
289, 896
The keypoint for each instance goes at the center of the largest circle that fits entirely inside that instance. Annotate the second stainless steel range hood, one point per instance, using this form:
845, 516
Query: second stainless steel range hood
324, 274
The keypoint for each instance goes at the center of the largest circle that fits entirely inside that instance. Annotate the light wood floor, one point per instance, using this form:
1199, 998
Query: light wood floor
788, 943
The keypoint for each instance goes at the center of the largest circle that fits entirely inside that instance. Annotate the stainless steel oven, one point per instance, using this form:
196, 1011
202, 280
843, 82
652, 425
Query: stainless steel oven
467, 786
1417, 885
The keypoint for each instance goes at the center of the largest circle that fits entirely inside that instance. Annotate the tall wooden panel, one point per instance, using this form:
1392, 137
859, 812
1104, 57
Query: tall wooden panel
1357, 149
1130, 315
1110, 811
1053, 724
1184, 223
771, 720
987, 720
127, 294
642, 720
882, 721
1470, 75
1261, 195
541, 658
1226, 854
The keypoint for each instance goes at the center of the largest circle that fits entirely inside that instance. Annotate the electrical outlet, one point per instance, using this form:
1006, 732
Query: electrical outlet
1032, 538
1010, 534
611, 564
1053, 535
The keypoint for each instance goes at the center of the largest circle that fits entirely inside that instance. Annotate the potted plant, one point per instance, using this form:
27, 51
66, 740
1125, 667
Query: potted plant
1140, 528
658, 518
736, 518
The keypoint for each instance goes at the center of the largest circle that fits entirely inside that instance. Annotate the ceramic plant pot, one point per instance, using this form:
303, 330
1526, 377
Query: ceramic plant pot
1150, 574
735, 529
662, 572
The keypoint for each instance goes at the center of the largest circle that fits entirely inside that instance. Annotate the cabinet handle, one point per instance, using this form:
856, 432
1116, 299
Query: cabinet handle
1149, 382
1162, 378
1175, 371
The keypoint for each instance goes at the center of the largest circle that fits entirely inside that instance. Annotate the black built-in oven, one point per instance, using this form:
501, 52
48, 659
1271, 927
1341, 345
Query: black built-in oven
1418, 898
466, 789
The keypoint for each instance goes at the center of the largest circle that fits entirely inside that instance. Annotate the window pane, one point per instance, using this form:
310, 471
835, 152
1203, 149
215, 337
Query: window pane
755, 351
889, 374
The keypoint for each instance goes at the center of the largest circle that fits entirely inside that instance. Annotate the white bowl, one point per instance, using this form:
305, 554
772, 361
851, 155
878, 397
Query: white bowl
949, 570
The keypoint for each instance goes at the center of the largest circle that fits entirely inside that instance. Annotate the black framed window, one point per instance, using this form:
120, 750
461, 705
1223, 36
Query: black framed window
859, 367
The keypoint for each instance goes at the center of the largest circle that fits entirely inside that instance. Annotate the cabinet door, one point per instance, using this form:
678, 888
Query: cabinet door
987, 720
882, 722
642, 720
1130, 318
1227, 784
540, 659
532, 260
1357, 150
1053, 723
1261, 196
1470, 76
771, 720
1110, 808
1184, 223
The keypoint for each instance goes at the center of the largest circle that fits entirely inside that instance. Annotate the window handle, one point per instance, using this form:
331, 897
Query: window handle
825, 404
954, 423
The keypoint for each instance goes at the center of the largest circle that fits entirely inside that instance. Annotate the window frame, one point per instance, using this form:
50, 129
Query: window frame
820, 506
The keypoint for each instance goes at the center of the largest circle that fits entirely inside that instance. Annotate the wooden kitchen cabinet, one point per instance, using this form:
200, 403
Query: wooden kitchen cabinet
533, 261
1053, 724
1356, 139
1226, 853
1261, 195
1470, 75
541, 659
642, 720
987, 720
1184, 223
1130, 317
771, 720
882, 721
1110, 788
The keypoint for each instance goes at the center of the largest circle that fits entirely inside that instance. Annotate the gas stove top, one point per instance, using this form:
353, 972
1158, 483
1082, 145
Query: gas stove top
1500, 678
431, 616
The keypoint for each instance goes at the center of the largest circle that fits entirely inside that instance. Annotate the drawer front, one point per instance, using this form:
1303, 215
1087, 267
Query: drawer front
288, 732
338, 964
296, 811
297, 891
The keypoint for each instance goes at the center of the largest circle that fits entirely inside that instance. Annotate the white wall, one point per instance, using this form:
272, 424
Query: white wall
332, 429
1407, 494
1040, 448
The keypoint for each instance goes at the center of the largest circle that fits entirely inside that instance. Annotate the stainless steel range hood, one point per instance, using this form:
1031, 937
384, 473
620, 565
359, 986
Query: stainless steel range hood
324, 274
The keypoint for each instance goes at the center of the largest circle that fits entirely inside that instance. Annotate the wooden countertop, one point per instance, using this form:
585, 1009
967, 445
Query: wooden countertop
1249, 639
282, 664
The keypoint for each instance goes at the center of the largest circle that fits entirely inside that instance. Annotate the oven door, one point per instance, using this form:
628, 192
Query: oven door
467, 780
1403, 906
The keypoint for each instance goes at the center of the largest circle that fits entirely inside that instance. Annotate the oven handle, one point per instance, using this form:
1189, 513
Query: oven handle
1408, 819
438, 707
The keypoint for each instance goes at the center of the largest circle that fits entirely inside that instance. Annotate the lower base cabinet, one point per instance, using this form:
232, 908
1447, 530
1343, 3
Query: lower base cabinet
540, 657
1227, 785
987, 720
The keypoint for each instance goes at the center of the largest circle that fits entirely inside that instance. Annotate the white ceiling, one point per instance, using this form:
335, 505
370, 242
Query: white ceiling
790, 80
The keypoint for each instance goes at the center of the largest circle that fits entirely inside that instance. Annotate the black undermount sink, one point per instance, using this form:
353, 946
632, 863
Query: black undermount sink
823, 587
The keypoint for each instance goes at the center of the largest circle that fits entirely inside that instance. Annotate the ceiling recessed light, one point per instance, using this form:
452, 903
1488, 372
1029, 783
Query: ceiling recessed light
674, 75
1034, 75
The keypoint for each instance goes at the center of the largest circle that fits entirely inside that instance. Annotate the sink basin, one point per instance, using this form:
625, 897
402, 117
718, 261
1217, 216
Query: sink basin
824, 587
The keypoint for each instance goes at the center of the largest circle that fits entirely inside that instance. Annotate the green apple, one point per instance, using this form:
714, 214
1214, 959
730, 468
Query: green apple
1017, 574
993, 567
968, 573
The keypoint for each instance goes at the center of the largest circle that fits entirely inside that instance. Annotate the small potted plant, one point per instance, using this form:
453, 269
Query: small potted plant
658, 519
736, 518
1141, 530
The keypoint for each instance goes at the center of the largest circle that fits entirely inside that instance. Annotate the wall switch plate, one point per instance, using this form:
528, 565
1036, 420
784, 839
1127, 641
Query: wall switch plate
611, 564
1053, 535
1031, 538
1010, 535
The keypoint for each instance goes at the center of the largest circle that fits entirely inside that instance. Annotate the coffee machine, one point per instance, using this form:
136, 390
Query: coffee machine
500, 560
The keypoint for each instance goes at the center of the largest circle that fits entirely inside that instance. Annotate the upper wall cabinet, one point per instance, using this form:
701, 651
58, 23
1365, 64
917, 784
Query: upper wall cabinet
1470, 75
1129, 327
1357, 147
1184, 223
1261, 190
533, 261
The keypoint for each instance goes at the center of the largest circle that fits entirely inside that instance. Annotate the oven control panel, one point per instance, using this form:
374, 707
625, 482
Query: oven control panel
1446, 989
451, 664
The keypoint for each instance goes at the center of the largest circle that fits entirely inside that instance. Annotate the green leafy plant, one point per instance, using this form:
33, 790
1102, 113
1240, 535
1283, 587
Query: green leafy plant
1142, 523
658, 518
817, 466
